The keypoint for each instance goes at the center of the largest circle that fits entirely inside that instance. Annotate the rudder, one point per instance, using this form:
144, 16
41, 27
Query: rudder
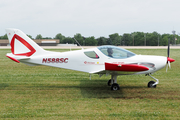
21, 44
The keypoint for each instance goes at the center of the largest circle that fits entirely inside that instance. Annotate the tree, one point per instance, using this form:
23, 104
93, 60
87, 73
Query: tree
152, 39
102, 41
127, 39
139, 39
109, 41
91, 41
68, 40
39, 36
30, 36
133, 34
4, 37
115, 39
60, 37
79, 38
164, 40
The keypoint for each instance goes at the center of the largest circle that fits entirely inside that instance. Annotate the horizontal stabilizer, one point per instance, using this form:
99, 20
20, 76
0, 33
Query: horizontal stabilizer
16, 58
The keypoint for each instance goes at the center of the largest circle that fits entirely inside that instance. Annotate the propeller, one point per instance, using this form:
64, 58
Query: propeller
169, 60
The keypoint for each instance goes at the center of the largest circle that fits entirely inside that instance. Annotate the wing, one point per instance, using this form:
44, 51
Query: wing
121, 69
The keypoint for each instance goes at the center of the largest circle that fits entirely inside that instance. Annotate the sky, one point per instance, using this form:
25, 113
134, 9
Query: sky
98, 18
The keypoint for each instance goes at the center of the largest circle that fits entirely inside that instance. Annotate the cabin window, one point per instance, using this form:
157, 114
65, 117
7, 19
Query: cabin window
91, 54
116, 52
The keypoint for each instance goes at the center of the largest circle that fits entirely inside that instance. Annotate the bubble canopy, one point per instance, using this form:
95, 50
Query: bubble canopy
115, 52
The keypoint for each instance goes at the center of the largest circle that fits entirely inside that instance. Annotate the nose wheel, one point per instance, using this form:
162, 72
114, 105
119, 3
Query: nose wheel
152, 84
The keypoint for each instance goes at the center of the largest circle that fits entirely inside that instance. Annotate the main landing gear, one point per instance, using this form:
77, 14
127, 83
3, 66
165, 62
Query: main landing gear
152, 84
113, 83
114, 86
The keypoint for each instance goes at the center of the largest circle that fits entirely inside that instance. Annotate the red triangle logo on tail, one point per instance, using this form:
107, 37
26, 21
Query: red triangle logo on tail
25, 43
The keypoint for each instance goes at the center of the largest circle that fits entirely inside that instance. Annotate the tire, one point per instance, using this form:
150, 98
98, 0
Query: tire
150, 84
115, 87
109, 82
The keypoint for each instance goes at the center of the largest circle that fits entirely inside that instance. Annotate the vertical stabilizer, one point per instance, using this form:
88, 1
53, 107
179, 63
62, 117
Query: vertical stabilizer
21, 44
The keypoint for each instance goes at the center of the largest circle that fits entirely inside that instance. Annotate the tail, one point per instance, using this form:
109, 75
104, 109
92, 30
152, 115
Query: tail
21, 44
22, 47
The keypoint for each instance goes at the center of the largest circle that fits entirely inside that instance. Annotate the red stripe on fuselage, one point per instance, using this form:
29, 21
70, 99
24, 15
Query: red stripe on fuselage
125, 67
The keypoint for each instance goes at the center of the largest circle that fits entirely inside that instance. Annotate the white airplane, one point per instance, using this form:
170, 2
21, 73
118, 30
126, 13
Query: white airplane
109, 60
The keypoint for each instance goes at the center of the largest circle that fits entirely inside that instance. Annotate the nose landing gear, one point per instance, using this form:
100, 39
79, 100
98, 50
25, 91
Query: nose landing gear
152, 84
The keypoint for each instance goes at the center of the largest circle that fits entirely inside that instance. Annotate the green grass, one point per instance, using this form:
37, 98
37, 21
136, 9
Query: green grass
42, 92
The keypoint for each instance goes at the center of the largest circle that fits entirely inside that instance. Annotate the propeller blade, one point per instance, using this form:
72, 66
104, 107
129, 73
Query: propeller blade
166, 67
168, 47
169, 64
169, 60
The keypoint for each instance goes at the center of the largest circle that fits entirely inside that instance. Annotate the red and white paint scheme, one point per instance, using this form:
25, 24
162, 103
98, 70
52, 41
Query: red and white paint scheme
109, 60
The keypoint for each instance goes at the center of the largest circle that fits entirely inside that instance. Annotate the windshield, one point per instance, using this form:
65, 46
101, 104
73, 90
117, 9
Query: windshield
115, 52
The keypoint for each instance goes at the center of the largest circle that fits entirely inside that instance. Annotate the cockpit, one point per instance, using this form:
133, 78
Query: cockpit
115, 52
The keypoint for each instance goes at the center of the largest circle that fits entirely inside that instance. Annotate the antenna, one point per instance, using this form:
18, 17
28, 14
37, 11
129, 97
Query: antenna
78, 43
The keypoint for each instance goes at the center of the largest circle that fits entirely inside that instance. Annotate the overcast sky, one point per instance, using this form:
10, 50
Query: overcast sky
89, 17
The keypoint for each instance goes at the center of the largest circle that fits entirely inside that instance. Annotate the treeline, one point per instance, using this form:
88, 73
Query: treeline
127, 39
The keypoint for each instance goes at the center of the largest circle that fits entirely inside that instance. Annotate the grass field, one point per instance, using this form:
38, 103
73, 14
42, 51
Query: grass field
42, 92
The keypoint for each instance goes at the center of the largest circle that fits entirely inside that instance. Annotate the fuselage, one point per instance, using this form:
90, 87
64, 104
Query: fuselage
93, 61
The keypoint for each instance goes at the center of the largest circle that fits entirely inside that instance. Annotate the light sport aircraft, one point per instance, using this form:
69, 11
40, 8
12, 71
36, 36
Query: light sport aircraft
109, 60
